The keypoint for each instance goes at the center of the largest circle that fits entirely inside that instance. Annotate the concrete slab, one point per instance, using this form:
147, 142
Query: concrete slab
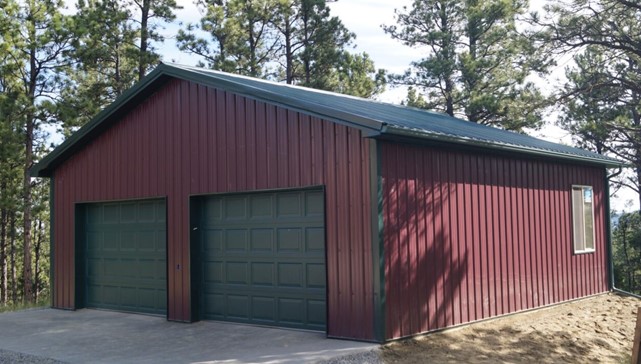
92, 336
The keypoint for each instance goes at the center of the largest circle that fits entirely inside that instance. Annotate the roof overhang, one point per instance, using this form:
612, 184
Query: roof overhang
369, 126
521, 150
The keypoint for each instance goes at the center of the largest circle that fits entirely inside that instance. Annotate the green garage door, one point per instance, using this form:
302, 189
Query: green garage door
263, 258
123, 256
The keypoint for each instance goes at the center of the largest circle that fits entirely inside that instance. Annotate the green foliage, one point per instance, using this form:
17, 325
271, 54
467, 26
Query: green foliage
353, 76
34, 42
241, 40
146, 14
626, 252
476, 63
602, 98
100, 67
43, 301
296, 41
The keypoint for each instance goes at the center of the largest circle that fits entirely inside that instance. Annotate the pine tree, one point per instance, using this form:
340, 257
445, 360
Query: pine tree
148, 11
35, 40
602, 96
309, 45
103, 67
476, 64
241, 38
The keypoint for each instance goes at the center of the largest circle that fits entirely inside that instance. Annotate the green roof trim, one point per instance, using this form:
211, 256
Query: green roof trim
374, 118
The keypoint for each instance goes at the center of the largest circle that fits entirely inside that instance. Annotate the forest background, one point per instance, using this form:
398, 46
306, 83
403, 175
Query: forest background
567, 70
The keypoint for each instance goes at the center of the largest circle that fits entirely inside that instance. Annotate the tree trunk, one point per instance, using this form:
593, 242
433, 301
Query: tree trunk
446, 46
3, 251
28, 161
12, 244
307, 62
27, 274
253, 63
289, 57
38, 248
144, 38
637, 170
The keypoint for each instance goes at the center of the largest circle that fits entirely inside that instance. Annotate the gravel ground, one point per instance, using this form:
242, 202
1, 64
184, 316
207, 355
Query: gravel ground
11, 357
368, 357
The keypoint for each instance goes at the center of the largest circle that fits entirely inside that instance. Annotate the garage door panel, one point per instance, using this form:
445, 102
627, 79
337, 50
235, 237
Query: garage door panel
288, 205
262, 274
291, 311
147, 212
316, 312
125, 256
146, 241
315, 276
110, 241
237, 273
290, 275
289, 239
264, 309
213, 272
148, 269
216, 307
314, 204
213, 242
261, 207
263, 258
235, 208
238, 307
235, 240
261, 240
97, 239
105, 214
315, 240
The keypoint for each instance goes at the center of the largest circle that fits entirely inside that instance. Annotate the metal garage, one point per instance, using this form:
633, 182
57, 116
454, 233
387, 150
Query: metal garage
261, 258
122, 256
426, 221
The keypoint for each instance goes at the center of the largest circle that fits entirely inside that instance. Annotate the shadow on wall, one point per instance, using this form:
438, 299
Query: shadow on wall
469, 237
426, 266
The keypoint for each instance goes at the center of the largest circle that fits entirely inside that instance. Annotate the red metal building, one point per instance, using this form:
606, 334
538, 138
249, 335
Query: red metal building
204, 195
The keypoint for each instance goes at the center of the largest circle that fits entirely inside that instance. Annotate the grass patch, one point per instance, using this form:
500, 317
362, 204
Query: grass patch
42, 302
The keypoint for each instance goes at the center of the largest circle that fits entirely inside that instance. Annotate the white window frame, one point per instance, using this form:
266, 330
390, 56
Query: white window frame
575, 236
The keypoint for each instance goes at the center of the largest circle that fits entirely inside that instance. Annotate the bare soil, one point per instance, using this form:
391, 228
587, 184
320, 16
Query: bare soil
599, 329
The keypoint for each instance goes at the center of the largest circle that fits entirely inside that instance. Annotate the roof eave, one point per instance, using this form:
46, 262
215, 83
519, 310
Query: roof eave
608, 163
370, 127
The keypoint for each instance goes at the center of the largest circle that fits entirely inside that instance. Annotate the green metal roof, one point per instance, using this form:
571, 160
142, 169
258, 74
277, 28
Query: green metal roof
376, 119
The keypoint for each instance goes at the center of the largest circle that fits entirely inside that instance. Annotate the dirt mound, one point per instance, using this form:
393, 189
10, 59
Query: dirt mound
598, 329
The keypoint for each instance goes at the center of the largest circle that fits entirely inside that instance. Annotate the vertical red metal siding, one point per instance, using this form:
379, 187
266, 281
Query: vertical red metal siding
189, 139
470, 236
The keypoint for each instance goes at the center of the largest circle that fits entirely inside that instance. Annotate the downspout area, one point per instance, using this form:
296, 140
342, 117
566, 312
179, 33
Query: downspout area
608, 229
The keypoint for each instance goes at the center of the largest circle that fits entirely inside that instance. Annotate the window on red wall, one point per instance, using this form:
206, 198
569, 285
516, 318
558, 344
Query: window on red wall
583, 219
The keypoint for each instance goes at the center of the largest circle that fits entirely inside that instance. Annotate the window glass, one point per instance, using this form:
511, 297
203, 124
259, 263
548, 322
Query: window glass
583, 218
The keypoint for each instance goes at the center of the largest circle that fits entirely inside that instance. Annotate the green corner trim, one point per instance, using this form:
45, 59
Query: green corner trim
378, 246
608, 232
52, 251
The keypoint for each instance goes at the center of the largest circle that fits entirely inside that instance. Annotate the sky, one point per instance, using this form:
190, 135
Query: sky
365, 18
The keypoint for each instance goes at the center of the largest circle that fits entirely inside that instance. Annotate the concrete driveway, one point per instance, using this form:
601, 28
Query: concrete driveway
92, 336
